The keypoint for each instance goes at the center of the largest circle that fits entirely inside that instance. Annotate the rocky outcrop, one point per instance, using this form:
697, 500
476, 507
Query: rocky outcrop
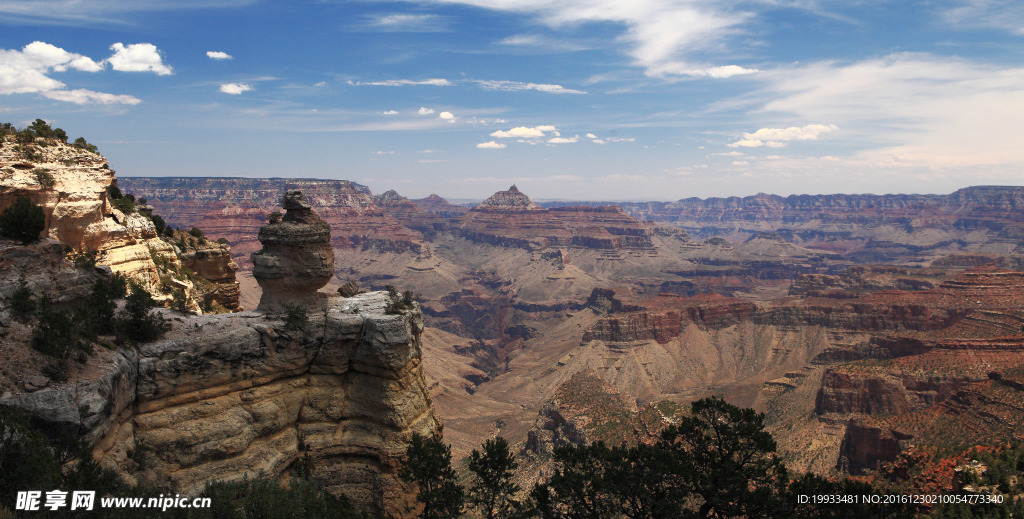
511, 219
71, 185
212, 261
434, 204
865, 447
235, 208
226, 396
297, 258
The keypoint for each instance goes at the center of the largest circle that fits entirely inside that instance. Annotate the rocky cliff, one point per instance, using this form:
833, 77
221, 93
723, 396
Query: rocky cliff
72, 186
235, 208
226, 396
868, 228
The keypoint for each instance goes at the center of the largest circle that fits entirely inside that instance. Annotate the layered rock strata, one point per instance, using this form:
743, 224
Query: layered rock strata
510, 219
227, 396
297, 258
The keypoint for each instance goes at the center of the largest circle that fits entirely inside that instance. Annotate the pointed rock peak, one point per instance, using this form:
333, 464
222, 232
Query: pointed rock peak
511, 199
389, 196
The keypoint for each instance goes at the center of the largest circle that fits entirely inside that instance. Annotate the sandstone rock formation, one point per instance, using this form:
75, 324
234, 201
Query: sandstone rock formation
297, 258
227, 396
71, 185
510, 219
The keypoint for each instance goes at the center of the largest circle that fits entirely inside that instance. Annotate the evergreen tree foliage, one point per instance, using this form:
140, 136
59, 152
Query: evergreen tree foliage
136, 322
726, 460
22, 302
429, 465
493, 488
23, 220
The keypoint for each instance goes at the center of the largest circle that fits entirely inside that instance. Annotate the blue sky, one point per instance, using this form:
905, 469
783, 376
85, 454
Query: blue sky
589, 99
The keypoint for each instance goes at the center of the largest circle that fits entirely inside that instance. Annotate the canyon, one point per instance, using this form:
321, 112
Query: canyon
848, 319
867, 328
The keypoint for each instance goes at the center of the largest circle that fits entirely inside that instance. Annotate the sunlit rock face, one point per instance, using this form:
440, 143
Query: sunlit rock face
297, 259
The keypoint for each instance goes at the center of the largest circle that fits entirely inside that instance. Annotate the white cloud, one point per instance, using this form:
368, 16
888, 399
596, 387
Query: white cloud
491, 145
997, 14
447, 116
598, 141
391, 112
389, 152
138, 57
591, 136
82, 96
513, 86
109, 12
660, 36
27, 71
50, 56
564, 140
320, 84
405, 22
235, 88
404, 82
425, 111
218, 55
776, 137
910, 109
621, 139
523, 132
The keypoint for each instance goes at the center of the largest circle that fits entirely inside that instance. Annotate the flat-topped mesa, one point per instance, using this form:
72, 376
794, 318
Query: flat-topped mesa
297, 258
511, 200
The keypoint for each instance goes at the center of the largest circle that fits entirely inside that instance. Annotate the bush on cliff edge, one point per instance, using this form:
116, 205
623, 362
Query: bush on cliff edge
23, 220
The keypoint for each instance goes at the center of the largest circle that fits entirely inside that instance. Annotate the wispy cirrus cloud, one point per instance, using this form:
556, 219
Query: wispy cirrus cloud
404, 82
909, 108
76, 12
662, 37
513, 86
405, 22
1007, 15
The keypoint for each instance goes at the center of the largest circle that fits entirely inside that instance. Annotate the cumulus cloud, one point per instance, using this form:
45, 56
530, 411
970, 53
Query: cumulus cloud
391, 112
27, 71
447, 116
138, 57
523, 132
404, 82
491, 145
425, 111
216, 54
513, 86
591, 136
777, 137
235, 88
